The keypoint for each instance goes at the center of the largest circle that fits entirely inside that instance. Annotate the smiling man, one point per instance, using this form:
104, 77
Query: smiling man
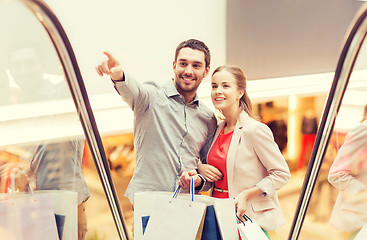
172, 128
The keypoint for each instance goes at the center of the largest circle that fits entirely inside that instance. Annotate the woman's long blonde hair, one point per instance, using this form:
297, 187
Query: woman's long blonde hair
241, 81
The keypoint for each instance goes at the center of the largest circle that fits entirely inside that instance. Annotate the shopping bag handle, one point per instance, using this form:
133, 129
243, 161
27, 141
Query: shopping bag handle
12, 178
178, 189
246, 217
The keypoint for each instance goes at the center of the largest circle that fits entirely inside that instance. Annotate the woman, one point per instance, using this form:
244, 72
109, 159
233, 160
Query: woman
245, 152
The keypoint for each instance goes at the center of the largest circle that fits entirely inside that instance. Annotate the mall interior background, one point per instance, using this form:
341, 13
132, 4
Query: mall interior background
288, 49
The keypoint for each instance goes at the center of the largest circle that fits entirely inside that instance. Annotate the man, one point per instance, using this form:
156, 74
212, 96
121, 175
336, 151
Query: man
172, 129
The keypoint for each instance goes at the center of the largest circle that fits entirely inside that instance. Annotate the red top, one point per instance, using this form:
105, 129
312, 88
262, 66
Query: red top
217, 157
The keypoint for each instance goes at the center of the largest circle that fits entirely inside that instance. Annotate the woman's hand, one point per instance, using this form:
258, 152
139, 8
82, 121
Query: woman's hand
210, 173
241, 199
240, 202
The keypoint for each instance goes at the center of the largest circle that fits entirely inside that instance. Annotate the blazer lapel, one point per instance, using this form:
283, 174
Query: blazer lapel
232, 151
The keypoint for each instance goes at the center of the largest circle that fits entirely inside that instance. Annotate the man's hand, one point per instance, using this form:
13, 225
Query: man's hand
210, 173
21, 179
184, 181
110, 67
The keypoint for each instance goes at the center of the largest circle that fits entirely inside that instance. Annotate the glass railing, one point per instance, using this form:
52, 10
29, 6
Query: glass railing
48, 132
332, 204
46, 123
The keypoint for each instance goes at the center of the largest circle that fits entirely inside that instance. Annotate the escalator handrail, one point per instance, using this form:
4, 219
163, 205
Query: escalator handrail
347, 59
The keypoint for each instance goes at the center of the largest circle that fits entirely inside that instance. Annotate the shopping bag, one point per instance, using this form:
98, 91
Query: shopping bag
60, 222
224, 212
144, 220
30, 217
250, 230
64, 203
362, 234
211, 229
175, 219
226, 216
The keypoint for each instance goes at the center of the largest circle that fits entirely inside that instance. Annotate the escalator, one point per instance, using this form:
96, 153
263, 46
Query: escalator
52, 106
45, 107
345, 108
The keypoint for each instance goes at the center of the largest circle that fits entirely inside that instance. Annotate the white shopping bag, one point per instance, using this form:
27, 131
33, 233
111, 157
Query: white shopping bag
250, 230
175, 219
362, 235
62, 202
224, 210
65, 203
29, 217
226, 216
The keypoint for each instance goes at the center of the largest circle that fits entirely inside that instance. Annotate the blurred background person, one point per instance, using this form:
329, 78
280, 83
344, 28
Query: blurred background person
28, 71
348, 174
309, 130
53, 165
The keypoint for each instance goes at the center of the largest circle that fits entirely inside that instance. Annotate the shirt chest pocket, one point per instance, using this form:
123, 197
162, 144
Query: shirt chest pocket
164, 104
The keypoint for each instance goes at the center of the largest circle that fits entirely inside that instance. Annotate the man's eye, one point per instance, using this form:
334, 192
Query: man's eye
213, 86
182, 64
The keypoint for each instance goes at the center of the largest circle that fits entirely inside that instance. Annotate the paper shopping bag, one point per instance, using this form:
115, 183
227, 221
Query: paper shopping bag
226, 217
30, 217
60, 222
176, 219
211, 229
250, 230
224, 212
63, 203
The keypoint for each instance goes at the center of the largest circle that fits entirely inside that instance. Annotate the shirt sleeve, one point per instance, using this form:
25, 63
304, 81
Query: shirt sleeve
133, 93
206, 186
272, 159
212, 126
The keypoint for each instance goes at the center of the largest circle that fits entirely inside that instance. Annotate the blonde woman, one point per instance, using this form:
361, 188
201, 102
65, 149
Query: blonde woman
244, 161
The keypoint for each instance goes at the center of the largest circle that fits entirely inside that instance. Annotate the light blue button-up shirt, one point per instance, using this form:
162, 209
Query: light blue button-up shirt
170, 136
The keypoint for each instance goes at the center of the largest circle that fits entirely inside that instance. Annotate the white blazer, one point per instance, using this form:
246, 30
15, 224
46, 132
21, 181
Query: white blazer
255, 159
349, 174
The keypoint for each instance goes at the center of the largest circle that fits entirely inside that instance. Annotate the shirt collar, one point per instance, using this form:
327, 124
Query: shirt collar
171, 91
